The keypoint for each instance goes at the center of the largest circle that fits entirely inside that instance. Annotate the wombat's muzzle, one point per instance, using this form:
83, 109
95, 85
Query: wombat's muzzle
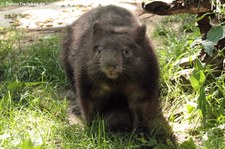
111, 67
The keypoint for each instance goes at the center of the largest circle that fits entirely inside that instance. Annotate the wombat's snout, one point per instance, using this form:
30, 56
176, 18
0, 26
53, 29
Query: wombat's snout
111, 67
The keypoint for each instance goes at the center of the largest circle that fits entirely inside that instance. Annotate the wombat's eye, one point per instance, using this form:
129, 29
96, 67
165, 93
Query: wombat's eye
97, 49
126, 52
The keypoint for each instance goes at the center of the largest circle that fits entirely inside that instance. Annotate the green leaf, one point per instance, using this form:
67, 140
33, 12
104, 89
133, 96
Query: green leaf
32, 83
199, 66
198, 77
189, 144
190, 108
152, 142
216, 33
194, 82
27, 144
208, 46
202, 103
14, 85
17, 84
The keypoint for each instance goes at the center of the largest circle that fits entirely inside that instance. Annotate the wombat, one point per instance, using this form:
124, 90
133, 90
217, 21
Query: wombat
112, 68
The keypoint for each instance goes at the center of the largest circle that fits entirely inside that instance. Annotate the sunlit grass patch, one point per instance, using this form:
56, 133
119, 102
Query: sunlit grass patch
192, 96
30, 118
31, 112
31, 62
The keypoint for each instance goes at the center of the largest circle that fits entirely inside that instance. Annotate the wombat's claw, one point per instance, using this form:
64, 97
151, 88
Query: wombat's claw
142, 131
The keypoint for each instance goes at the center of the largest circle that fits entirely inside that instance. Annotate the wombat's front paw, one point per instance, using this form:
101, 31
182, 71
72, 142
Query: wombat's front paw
142, 131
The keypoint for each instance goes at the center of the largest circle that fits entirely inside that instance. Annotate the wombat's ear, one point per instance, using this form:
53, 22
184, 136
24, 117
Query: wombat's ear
140, 33
97, 28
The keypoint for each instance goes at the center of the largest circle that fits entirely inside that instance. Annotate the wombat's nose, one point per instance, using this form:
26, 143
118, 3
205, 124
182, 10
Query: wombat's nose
112, 71
111, 67
110, 64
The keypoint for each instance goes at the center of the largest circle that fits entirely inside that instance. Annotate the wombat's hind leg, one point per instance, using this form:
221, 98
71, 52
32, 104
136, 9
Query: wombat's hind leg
142, 114
119, 121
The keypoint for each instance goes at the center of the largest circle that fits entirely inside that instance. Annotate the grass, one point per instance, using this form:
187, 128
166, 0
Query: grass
31, 111
193, 101
34, 100
33, 104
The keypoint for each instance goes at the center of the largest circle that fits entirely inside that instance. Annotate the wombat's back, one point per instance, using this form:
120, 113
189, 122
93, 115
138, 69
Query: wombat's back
110, 15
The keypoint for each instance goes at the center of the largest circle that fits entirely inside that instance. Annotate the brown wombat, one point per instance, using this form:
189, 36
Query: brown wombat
112, 67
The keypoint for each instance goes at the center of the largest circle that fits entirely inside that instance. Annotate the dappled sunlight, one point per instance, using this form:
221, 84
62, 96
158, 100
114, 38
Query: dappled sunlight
38, 109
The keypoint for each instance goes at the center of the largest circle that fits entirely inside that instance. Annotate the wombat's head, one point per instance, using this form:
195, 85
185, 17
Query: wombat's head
117, 51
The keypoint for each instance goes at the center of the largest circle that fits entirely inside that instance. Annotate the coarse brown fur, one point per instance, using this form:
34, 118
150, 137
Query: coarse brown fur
112, 68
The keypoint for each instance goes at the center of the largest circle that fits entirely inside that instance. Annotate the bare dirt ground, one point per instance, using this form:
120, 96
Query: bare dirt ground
53, 15
39, 19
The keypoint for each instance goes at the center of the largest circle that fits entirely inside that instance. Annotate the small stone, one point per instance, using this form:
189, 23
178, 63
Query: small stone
24, 15
10, 16
49, 25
